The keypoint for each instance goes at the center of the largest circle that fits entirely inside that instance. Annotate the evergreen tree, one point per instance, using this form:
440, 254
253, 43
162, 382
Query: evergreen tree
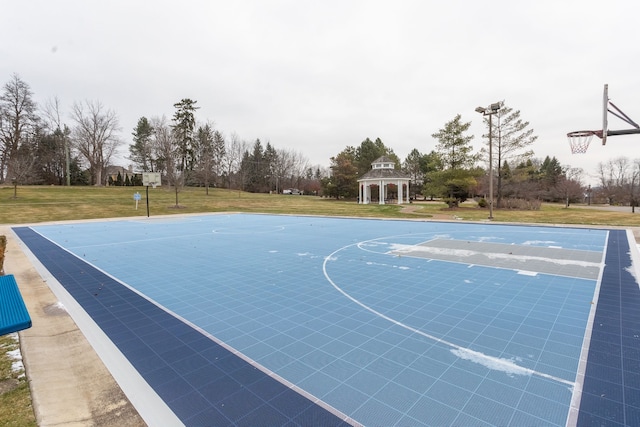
368, 151
550, 172
413, 166
204, 159
183, 126
255, 169
219, 153
272, 169
458, 177
429, 165
344, 175
454, 147
141, 151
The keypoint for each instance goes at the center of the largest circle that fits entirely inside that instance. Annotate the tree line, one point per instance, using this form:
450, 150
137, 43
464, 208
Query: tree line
38, 146
453, 172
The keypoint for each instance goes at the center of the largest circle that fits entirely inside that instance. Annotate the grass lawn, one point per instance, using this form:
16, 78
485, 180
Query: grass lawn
15, 399
38, 203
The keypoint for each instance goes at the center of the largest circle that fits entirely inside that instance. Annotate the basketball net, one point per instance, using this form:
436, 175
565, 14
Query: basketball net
579, 141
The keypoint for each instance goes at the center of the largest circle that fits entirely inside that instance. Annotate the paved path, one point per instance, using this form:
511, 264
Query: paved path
70, 386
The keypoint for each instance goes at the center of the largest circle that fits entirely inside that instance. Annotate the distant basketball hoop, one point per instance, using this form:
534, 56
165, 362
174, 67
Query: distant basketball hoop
151, 179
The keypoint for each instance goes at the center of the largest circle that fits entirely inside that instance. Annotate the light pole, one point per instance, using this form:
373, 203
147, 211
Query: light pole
490, 111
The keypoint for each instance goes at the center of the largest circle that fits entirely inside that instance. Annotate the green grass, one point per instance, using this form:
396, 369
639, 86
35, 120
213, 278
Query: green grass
38, 204
15, 398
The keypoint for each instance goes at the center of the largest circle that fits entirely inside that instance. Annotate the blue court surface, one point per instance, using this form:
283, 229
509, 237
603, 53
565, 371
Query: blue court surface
251, 320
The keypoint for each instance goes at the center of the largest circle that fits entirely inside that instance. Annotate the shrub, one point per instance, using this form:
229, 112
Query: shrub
3, 247
523, 204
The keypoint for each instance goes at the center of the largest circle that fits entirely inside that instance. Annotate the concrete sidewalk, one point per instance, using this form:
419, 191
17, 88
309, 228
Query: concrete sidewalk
70, 386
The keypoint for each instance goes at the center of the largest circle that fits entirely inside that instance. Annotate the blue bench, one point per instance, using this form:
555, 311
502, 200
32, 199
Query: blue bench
13, 313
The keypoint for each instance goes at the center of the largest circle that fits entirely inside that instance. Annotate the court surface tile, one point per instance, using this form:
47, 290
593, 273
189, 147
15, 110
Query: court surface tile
282, 320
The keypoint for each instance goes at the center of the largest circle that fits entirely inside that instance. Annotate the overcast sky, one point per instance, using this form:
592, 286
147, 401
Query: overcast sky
317, 76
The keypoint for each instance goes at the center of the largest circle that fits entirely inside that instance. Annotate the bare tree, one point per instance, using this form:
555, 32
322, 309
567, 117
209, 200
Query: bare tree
95, 136
299, 165
511, 139
18, 120
569, 186
60, 132
22, 167
612, 175
633, 185
283, 168
161, 143
235, 148
204, 154
620, 181
168, 155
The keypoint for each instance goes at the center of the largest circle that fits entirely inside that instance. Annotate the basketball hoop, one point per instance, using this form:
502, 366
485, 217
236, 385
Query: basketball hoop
152, 179
579, 140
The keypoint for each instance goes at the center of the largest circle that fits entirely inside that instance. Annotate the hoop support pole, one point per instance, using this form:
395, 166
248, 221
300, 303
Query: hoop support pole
623, 132
622, 116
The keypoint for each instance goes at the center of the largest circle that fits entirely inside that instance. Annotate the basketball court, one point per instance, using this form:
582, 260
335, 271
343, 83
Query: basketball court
279, 320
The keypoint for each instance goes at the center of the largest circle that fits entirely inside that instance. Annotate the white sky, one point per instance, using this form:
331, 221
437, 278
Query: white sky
317, 76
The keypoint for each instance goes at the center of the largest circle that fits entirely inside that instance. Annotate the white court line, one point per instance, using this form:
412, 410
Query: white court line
491, 362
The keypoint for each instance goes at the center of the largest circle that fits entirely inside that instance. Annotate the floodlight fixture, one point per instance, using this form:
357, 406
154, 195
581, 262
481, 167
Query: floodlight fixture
490, 111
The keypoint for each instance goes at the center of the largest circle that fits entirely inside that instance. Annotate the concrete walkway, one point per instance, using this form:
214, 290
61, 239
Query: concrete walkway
70, 386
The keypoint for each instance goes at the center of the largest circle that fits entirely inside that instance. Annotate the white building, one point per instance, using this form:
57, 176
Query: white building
390, 182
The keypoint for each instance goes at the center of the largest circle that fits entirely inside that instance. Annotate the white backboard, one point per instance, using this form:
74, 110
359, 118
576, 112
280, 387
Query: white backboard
151, 179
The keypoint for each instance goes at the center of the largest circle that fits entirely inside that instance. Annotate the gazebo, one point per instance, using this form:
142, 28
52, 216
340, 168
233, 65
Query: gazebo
382, 175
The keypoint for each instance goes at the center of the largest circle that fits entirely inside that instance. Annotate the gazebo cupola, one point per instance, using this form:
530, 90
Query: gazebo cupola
381, 175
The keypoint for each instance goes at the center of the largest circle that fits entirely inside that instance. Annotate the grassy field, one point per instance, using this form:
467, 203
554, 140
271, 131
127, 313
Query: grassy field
15, 400
35, 204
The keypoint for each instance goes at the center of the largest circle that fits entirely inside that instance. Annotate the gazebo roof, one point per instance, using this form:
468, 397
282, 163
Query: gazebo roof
378, 171
383, 159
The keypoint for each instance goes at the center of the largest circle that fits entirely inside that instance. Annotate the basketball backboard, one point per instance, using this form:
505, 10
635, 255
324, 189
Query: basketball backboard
605, 112
152, 179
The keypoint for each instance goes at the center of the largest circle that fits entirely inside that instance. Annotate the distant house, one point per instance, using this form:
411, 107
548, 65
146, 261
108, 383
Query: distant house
113, 171
384, 182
